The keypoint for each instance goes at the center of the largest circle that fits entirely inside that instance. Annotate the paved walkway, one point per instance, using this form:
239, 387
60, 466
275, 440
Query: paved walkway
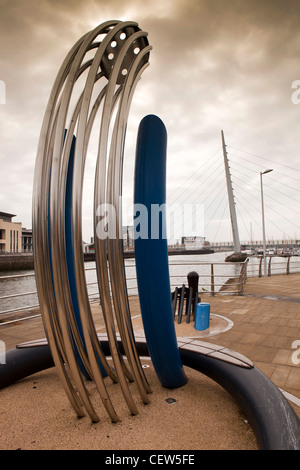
266, 327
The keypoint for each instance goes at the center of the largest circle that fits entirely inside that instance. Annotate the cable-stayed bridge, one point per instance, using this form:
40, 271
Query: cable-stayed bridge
217, 187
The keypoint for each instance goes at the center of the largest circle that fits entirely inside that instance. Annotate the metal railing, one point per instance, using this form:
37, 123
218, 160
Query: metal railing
286, 264
214, 278
31, 307
217, 277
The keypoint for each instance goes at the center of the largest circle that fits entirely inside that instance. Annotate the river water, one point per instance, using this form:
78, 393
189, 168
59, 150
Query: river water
179, 267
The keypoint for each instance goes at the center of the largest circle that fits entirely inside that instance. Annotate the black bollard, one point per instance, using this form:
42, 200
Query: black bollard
181, 303
189, 304
193, 280
174, 301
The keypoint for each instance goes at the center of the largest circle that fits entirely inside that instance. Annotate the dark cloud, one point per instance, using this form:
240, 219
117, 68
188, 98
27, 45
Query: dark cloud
214, 65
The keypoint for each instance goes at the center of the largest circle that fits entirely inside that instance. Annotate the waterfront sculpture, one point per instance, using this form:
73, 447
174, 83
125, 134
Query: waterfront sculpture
98, 77
120, 52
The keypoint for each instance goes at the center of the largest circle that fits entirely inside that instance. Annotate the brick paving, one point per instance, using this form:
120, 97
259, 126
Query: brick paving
266, 327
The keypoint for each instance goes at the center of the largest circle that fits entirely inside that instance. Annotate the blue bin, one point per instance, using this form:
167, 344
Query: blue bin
202, 316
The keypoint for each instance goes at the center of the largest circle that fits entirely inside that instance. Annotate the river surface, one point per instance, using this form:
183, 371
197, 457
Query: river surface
179, 267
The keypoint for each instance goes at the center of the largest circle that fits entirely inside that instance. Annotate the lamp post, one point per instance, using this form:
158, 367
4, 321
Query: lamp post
263, 219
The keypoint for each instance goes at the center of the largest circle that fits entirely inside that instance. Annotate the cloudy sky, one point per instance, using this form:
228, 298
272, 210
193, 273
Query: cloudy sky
215, 65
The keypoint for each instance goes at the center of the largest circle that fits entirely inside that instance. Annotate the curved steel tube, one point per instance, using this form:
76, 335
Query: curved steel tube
118, 63
115, 247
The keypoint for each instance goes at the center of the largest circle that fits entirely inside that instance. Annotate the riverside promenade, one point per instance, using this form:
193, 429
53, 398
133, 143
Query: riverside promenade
264, 326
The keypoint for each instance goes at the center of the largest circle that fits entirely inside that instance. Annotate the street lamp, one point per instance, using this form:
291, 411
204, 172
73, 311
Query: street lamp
263, 219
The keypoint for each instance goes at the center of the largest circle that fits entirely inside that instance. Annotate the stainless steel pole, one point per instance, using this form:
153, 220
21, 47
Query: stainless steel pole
263, 220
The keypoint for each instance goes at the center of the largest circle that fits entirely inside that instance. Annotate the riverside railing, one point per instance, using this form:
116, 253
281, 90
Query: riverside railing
214, 278
276, 264
31, 307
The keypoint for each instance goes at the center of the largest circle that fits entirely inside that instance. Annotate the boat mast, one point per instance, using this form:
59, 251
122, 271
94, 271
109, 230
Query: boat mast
234, 225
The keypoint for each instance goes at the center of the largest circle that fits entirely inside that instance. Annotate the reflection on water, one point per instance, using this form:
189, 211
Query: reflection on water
179, 265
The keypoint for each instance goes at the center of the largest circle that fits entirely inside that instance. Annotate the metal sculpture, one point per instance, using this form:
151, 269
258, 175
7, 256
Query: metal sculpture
189, 295
179, 296
151, 254
120, 53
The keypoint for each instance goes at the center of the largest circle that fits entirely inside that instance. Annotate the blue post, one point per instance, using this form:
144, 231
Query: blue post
202, 316
151, 254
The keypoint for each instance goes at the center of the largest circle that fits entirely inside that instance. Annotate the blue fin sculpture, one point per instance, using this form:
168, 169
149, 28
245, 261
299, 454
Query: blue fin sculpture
151, 253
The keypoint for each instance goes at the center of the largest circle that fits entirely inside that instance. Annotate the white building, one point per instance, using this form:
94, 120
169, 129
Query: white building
192, 243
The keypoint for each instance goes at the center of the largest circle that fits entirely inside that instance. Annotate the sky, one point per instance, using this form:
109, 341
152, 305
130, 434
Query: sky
215, 65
